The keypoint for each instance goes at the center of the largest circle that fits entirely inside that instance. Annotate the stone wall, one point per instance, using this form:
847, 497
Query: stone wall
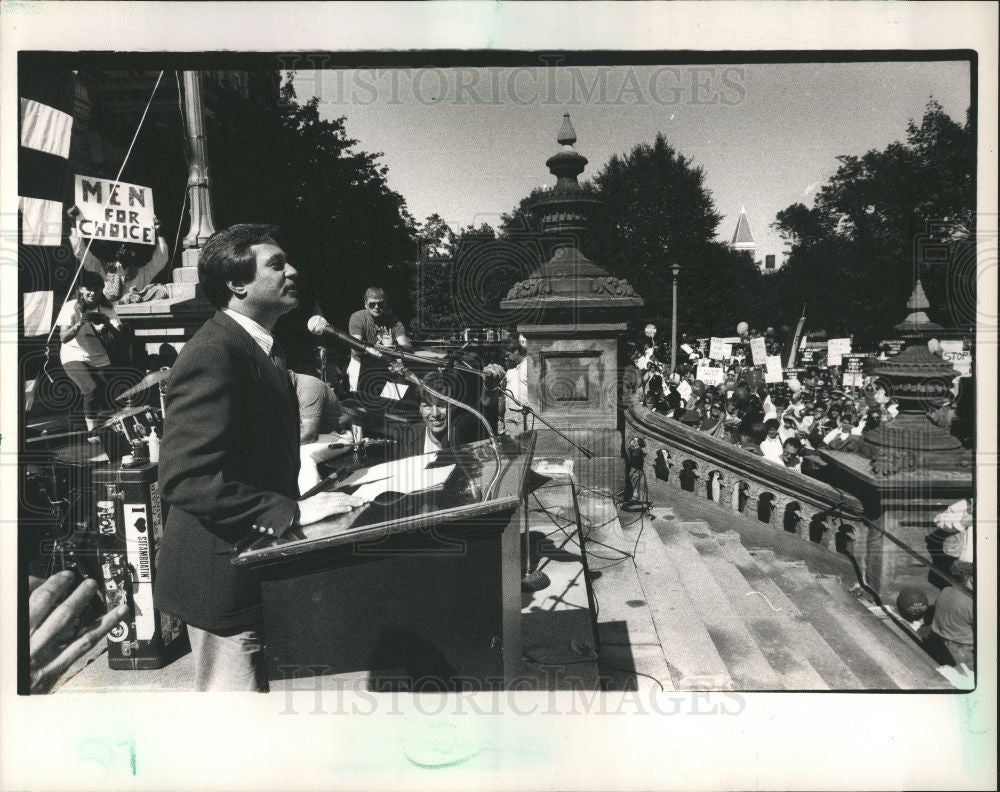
741, 482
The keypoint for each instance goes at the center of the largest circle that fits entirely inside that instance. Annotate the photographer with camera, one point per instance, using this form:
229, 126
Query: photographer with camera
87, 326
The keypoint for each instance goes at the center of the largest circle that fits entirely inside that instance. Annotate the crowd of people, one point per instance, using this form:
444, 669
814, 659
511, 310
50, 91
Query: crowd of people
785, 422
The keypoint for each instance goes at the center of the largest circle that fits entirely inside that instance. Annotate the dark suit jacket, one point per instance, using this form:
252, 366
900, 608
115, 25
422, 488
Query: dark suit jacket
229, 459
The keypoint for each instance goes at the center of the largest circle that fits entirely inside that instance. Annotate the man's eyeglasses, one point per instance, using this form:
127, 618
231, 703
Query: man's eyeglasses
379, 304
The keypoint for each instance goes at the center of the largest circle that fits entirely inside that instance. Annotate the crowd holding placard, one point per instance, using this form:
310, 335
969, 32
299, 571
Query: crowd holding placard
736, 389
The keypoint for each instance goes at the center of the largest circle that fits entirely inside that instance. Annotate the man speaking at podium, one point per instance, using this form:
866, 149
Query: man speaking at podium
229, 458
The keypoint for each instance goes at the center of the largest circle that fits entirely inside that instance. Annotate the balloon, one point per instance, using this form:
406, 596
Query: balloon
741, 395
742, 328
698, 388
794, 385
934, 346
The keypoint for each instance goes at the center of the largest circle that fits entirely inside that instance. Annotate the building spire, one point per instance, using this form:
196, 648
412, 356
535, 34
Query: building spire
743, 236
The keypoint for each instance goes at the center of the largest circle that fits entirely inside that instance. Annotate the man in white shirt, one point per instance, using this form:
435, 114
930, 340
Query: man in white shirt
771, 445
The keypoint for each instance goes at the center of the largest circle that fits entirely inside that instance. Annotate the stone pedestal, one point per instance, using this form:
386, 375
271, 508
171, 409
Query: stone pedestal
902, 506
573, 374
571, 311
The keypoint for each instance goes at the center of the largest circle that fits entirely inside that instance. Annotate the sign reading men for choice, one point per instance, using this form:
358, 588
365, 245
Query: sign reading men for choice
116, 211
758, 350
710, 375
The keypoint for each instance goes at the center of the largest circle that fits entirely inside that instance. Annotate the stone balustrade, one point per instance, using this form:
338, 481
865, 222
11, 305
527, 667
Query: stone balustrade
738, 481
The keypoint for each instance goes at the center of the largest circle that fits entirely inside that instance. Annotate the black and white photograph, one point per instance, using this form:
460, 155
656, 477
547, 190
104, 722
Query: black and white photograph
546, 407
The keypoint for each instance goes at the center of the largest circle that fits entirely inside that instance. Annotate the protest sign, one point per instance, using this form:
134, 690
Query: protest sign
718, 349
806, 356
836, 348
853, 365
710, 375
892, 346
774, 372
959, 357
116, 211
758, 350
703, 346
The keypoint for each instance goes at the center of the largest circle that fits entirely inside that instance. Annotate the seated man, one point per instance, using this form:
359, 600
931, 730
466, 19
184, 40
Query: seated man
322, 422
952, 637
319, 409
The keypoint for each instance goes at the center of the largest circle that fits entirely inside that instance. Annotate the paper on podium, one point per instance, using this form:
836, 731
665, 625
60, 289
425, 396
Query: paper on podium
406, 475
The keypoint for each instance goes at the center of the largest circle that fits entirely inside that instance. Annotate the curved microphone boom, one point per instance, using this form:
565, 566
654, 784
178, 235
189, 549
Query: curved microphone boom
317, 325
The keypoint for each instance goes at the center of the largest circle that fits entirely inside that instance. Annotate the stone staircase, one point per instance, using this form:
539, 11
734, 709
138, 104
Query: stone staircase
719, 606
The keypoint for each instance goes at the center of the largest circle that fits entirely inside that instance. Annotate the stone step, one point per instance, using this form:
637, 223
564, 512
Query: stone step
915, 660
813, 601
856, 625
802, 633
747, 665
636, 667
771, 629
687, 647
628, 645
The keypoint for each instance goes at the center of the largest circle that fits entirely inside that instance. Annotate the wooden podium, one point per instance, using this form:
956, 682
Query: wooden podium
419, 591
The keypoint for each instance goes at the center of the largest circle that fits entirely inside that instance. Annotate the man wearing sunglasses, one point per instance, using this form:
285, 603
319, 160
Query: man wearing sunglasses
376, 326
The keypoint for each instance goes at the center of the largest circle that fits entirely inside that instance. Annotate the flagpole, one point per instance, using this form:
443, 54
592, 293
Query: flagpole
795, 339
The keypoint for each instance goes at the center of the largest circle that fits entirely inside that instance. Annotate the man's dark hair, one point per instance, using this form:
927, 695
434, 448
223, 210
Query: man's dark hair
442, 384
227, 257
795, 443
771, 423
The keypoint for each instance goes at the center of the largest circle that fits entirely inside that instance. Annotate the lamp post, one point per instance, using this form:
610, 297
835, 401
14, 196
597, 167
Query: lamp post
674, 268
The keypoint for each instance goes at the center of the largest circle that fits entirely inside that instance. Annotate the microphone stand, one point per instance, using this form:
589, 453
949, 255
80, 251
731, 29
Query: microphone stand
525, 411
399, 369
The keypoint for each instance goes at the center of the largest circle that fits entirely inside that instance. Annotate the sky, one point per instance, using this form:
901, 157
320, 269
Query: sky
469, 143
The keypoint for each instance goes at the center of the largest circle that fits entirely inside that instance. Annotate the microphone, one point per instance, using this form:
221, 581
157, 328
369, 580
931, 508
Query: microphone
317, 325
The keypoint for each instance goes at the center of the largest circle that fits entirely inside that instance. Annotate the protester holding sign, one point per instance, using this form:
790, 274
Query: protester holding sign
126, 271
86, 325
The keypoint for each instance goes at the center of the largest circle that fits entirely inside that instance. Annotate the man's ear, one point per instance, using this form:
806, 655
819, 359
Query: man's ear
239, 289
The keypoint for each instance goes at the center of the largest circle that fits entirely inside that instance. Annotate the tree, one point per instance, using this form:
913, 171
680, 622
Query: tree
656, 212
854, 256
433, 307
344, 228
435, 238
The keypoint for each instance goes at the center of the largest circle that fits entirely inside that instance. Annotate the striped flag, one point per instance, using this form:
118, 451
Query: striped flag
45, 261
